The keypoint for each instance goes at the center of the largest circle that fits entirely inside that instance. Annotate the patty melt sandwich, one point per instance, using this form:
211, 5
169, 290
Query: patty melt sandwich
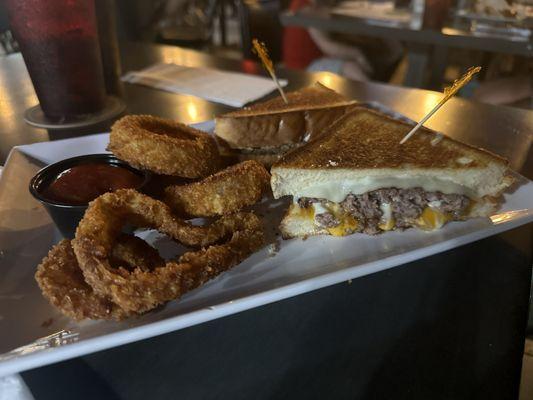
358, 178
266, 130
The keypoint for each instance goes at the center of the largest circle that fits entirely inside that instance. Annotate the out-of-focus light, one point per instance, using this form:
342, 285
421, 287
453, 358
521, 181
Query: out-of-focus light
508, 216
431, 100
7, 111
192, 110
325, 78
172, 57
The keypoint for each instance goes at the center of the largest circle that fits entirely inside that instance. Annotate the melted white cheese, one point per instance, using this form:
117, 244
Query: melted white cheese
387, 212
337, 191
435, 204
319, 208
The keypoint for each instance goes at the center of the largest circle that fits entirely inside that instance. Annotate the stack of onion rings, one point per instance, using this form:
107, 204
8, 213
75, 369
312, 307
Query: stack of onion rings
101, 274
164, 146
105, 274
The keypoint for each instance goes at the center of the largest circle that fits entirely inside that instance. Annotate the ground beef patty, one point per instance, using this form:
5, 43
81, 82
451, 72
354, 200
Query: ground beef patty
406, 205
305, 202
326, 220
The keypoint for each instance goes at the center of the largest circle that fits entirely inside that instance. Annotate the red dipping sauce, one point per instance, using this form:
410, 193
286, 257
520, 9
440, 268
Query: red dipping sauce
83, 183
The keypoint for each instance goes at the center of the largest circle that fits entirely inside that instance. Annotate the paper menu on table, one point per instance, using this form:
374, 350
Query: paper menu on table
231, 88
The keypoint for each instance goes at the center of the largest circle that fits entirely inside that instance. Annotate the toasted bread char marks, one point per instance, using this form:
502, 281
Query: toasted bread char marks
273, 124
362, 152
368, 139
310, 98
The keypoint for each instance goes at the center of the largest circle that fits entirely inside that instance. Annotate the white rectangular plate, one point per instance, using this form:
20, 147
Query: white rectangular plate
26, 234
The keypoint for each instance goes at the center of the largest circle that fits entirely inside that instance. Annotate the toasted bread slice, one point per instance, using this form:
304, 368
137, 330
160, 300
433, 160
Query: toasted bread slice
362, 152
273, 123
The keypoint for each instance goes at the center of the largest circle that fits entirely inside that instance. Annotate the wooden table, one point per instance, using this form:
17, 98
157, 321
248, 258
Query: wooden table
447, 326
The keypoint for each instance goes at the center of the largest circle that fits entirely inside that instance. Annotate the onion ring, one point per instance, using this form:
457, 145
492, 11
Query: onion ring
225, 192
106, 214
132, 252
62, 283
139, 291
164, 146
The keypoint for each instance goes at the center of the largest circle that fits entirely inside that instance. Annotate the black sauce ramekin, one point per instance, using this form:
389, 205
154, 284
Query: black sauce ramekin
67, 216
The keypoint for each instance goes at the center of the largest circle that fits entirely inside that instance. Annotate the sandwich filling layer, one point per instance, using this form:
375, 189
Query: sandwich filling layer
336, 191
384, 209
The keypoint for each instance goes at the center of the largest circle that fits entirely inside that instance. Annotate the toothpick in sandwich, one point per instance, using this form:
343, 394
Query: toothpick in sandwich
449, 92
260, 49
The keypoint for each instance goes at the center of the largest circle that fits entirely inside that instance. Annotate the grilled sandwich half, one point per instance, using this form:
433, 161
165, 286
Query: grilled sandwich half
358, 178
266, 130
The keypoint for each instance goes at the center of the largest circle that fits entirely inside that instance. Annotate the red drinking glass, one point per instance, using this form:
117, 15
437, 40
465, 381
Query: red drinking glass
59, 42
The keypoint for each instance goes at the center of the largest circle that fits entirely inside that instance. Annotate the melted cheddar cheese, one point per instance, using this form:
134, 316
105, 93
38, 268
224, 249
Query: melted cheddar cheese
387, 225
308, 212
431, 219
347, 226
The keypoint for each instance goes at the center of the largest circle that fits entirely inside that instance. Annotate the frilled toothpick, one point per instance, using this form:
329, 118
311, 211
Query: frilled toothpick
260, 49
448, 94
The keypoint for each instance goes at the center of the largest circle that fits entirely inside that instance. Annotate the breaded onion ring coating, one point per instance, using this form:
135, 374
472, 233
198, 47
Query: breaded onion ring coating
225, 192
106, 215
132, 252
62, 283
164, 146
139, 291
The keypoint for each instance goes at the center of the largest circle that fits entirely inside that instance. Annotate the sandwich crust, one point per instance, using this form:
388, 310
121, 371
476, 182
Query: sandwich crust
313, 97
365, 138
362, 150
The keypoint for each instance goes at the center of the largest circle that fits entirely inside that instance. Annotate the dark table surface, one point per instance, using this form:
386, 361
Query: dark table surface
447, 326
